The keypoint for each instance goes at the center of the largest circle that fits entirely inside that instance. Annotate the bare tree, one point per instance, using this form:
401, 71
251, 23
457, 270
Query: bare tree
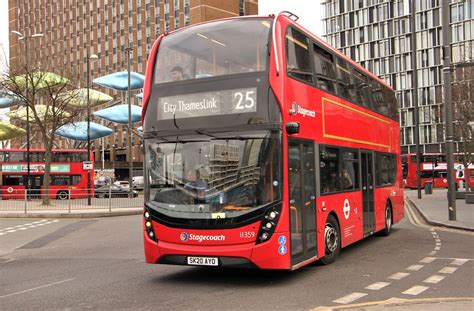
47, 97
463, 101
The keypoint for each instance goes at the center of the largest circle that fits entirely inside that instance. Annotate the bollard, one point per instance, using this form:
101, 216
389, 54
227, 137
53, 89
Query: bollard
69, 202
110, 197
428, 187
26, 198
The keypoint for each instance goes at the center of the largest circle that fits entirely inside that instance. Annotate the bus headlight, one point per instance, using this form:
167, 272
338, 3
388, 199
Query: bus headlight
269, 221
149, 226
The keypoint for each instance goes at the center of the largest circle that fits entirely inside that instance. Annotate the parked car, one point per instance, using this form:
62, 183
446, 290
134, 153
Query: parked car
122, 183
115, 192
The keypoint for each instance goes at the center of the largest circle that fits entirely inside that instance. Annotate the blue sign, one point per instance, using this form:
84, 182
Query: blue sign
282, 250
282, 240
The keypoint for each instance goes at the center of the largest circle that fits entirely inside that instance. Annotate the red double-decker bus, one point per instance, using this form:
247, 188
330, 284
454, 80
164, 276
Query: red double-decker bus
68, 178
433, 168
264, 147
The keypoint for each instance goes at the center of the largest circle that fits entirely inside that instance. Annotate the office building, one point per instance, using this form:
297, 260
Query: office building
377, 34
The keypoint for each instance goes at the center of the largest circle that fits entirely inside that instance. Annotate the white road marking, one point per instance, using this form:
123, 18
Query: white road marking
459, 261
433, 253
398, 275
27, 226
415, 267
415, 290
437, 248
347, 299
39, 287
448, 270
434, 279
438, 240
438, 244
432, 230
428, 259
377, 285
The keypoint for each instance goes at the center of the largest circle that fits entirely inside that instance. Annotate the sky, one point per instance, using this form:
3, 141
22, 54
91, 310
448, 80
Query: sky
310, 12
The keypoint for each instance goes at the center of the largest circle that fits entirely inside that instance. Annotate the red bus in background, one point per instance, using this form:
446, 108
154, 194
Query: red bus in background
67, 178
433, 169
264, 147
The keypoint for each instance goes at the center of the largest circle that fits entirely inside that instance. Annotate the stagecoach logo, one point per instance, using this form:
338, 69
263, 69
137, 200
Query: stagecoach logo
346, 209
297, 109
184, 237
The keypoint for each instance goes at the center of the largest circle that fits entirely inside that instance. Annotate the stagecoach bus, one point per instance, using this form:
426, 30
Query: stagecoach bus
265, 147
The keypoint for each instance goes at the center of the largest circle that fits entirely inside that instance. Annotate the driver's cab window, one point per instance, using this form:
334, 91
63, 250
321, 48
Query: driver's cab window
298, 64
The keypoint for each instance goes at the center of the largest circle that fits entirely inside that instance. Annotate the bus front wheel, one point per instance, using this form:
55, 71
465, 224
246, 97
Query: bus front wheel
332, 240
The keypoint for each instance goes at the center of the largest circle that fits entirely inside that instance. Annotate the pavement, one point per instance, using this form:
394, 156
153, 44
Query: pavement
434, 209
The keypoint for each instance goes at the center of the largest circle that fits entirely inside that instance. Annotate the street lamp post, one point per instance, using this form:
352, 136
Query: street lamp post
25, 38
89, 58
130, 160
414, 80
447, 71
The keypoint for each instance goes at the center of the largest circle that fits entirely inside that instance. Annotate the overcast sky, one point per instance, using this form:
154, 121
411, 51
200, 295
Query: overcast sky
310, 12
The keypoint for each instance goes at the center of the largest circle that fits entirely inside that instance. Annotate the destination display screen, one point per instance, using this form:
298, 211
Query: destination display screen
207, 104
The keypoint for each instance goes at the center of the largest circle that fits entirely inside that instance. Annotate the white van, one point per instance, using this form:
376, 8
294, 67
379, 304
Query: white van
138, 181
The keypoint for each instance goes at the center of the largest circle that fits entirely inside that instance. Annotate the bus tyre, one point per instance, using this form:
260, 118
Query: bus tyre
332, 240
62, 195
388, 220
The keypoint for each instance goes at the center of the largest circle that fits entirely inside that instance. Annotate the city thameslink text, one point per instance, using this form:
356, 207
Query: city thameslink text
204, 104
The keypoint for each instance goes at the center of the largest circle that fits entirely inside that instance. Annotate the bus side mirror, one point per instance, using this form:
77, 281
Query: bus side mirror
293, 128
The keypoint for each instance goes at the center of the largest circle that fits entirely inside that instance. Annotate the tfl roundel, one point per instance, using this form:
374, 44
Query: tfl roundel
183, 237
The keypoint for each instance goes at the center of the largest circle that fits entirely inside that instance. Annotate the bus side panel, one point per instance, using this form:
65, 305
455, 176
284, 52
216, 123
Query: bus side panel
381, 195
348, 209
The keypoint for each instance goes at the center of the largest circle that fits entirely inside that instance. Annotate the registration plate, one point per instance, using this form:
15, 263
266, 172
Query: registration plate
203, 261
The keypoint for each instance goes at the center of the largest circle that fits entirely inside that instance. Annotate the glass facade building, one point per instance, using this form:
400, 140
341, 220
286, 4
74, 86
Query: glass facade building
377, 34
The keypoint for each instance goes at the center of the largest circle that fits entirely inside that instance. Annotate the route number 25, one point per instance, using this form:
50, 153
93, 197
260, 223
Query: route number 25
246, 101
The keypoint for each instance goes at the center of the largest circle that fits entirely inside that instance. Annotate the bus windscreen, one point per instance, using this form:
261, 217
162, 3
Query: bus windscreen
213, 49
225, 176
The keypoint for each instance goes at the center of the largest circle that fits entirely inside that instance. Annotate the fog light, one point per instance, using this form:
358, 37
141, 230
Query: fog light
268, 225
264, 236
148, 224
151, 234
147, 215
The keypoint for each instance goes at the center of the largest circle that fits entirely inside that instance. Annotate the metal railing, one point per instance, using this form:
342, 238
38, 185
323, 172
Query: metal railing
68, 200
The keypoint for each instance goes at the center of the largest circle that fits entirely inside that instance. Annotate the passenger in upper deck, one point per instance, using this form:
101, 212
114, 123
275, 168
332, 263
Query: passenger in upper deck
177, 74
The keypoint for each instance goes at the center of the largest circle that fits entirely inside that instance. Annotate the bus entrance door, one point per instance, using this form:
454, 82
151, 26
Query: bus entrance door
302, 200
368, 192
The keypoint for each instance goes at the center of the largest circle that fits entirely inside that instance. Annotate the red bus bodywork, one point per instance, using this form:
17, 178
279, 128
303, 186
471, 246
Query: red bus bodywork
434, 172
65, 169
336, 122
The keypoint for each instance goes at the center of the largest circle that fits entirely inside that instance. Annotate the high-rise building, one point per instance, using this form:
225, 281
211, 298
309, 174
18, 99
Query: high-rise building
377, 34
74, 28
